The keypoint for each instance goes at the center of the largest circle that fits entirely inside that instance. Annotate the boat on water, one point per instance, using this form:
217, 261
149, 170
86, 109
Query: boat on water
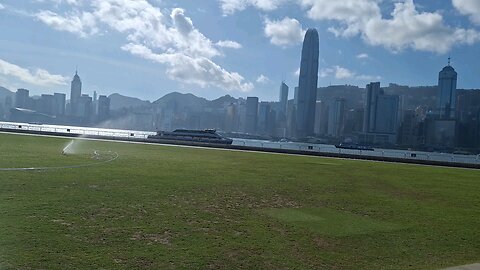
207, 136
353, 146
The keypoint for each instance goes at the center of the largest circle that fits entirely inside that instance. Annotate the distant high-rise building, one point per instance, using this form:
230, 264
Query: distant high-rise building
7, 107
291, 115
353, 122
266, 119
251, 115
21, 98
295, 97
242, 115
75, 93
381, 111
46, 104
409, 131
387, 114
282, 106
307, 85
447, 91
263, 114
440, 132
468, 118
336, 117
103, 108
321, 118
8, 103
95, 102
59, 103
84, 107
231, 118
372, 92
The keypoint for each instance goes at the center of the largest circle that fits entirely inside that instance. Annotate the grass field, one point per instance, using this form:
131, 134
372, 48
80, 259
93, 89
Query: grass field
165, 207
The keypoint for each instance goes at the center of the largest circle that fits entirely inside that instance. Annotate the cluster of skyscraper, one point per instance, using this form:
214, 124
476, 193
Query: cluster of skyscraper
302, 116
47, 108
385, 118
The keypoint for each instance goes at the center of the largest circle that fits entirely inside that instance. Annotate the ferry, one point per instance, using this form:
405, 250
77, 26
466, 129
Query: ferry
352, 146
207, 136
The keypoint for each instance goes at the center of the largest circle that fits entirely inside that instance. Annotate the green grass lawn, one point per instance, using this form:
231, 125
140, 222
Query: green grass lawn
166, 207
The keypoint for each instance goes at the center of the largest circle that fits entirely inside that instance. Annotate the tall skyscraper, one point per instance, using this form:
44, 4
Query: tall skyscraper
263, 114
84, 107
60, 99
387, 114
46, 104
447, 92
21, 98
231, 118
95, 102
307, 85
336, 115
103, 108
321, 118
75, 93
282, 110
251, 115
381, 111
295, 98
372, 91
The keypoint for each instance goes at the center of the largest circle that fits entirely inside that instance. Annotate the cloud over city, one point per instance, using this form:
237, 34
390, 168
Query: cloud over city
172, 40
285, 32
342, 73
36, 76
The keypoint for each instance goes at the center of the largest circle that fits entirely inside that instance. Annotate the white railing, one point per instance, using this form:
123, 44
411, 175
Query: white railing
116, 133
331, 149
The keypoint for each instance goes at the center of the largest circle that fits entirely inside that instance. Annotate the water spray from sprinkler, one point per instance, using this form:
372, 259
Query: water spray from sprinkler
64, 151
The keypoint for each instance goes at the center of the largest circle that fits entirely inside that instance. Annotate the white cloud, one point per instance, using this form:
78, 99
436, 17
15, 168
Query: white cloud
470, 8
422, 31
82, 24
363, 56
337, 72
183, 24
352, 13
368, 78
229, 44
263, 79
231, 6
407, 27
171, 40
342, 73
38, 77
2, 6
285, 32
193, 70
69, 2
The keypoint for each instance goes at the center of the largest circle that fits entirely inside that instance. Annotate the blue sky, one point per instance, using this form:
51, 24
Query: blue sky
239, 47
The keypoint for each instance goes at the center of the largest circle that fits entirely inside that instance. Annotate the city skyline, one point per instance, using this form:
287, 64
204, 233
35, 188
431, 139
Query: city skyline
392, 115
247, 44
